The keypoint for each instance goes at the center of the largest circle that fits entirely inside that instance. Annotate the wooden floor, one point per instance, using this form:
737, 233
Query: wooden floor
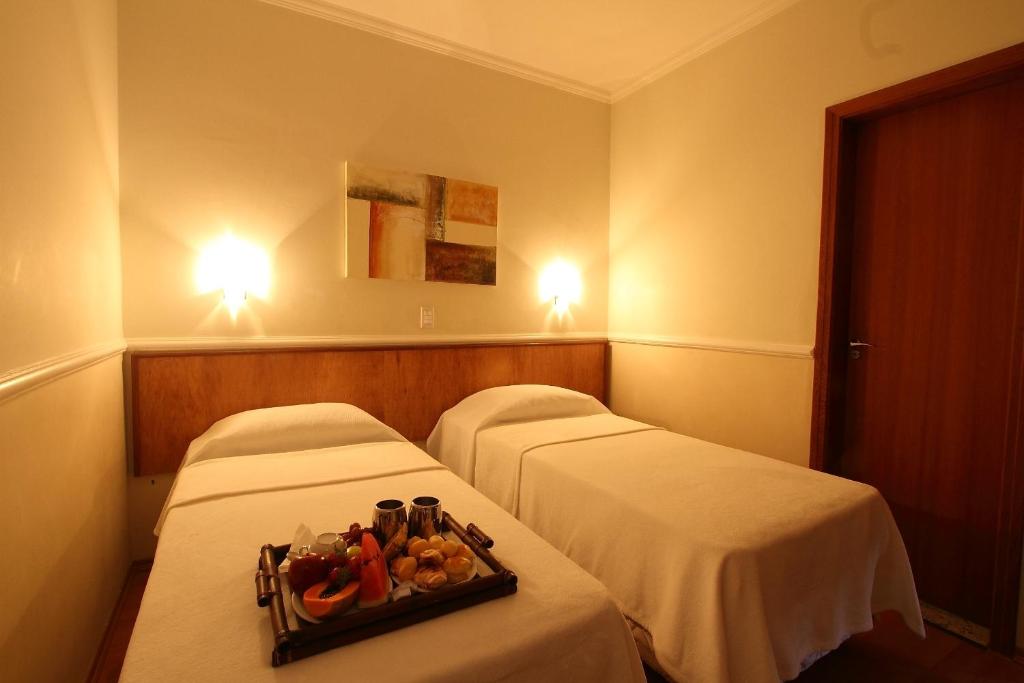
888, 654
891, 653
107, 666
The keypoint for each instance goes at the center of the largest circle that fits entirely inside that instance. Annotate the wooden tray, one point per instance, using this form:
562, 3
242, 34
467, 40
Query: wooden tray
291, 644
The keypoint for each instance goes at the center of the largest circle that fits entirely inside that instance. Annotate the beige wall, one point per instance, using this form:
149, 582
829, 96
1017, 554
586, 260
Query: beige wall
685, 389
62, 463
716, 200
146, 497
59, 287
238, 113
62, 483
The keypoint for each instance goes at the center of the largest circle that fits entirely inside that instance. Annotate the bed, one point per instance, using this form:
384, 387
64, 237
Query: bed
731, 566
252, 478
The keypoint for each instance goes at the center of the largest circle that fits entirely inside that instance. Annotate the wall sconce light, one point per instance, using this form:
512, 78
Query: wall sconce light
236, 267
560, 284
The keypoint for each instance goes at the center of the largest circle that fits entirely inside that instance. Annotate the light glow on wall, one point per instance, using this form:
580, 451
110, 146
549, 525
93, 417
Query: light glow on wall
560, 283
236, 267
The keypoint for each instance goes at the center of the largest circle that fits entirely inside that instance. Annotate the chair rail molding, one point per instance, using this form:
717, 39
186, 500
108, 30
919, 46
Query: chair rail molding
802, 351
19, 380
185, 344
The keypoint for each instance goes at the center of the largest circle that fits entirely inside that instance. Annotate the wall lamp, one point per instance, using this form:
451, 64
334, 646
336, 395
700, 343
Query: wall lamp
560, 284
235, 267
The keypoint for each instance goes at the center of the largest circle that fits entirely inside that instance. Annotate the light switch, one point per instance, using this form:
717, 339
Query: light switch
426, 317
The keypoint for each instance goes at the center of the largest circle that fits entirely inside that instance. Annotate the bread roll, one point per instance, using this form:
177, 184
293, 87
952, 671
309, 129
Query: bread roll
430, 578
432, 558
449, 548
404, 568
416, 547
457, 565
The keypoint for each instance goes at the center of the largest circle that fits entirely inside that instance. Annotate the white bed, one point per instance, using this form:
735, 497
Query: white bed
326, 466
731, 566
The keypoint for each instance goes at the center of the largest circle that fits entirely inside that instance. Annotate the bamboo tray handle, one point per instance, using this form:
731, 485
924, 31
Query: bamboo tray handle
475, 531
269, 594
474, 543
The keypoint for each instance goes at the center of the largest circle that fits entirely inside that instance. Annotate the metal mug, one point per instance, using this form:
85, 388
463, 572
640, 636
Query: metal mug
424, 517
388, 516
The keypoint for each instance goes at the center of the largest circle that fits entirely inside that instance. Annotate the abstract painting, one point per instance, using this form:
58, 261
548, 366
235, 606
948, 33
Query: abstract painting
414, 226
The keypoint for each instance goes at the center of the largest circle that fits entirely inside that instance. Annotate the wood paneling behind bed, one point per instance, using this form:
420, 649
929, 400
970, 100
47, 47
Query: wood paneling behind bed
177, 396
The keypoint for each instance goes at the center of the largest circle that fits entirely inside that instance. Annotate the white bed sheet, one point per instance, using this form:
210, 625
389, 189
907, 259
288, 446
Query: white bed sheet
739, 567
199, 620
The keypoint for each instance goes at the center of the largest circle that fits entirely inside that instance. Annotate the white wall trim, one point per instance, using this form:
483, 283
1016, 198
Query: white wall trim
725, 345
172, 344
387, 29
743, 24
25, 378
158, 344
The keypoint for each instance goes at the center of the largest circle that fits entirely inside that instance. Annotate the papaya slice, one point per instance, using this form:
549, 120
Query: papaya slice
334, 602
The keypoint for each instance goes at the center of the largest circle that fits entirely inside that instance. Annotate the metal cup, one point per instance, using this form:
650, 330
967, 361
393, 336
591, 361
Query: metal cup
388, 516
424, 517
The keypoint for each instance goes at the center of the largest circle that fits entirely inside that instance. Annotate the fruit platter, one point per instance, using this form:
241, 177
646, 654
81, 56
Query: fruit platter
359, 588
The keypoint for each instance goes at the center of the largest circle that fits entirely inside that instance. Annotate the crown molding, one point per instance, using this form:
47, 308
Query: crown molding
745, 23
388, 29
382, 27
802, 351
27, 377
186, 344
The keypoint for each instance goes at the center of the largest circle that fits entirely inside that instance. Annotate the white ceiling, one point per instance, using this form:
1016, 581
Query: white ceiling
599, 48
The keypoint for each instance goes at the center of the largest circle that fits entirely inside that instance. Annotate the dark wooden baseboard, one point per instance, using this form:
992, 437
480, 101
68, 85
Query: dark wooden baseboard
106, 668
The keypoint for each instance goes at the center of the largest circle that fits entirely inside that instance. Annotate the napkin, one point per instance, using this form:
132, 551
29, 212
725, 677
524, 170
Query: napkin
303, 536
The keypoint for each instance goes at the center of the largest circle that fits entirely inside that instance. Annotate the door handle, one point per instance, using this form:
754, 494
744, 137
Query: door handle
856, 347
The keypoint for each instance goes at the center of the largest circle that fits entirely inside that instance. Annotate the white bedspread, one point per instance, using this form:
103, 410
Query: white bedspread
199, 620
503, 450
738, 566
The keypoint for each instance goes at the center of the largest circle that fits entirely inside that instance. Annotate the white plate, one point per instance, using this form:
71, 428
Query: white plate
300, 609
416, 589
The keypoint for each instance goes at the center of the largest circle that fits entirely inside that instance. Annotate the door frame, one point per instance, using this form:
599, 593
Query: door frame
834, 271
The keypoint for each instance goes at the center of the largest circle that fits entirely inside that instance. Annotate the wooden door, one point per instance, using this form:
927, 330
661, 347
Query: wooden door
936, 212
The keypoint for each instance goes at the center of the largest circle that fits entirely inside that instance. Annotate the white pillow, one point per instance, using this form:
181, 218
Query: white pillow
288, 428
453, 440
526, 402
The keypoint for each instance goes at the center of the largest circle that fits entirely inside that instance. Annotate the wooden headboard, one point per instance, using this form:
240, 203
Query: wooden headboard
176, 396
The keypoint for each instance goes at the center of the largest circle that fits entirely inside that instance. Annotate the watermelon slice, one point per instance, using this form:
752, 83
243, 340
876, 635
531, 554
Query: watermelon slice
374, 582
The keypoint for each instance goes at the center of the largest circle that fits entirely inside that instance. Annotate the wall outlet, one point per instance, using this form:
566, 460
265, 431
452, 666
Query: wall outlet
426, 317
